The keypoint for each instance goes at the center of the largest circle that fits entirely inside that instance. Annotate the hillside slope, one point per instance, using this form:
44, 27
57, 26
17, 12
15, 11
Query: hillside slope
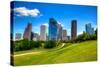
77, 52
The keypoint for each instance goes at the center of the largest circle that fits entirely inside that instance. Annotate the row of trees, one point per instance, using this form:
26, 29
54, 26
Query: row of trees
85, 36
26, 45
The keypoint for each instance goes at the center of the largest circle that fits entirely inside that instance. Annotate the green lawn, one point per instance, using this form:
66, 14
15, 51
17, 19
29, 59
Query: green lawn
77, 52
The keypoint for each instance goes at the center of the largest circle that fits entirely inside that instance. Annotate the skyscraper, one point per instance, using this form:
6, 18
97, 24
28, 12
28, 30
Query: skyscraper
73, 29
92, 31
64, 34
28, 32
68, 38
43, 33
53, 29
59, 32
89, 28
36, 37
18, 36
32, 35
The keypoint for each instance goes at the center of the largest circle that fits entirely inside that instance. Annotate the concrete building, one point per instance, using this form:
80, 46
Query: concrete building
59, 32
36, 37
43, 33
64, 34
28, 32
18, 36
68, 38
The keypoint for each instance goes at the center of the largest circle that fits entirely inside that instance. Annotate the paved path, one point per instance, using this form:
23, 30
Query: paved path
62, 45
27, 54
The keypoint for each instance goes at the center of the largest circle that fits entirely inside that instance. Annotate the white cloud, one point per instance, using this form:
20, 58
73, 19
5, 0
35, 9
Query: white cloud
23, 11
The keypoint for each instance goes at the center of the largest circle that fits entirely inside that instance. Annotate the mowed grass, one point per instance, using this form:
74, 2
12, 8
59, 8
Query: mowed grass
76, 52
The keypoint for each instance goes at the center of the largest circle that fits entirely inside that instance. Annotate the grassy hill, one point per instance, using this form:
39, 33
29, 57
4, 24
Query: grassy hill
70, 52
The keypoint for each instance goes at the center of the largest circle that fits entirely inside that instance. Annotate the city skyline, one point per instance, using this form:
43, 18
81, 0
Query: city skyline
39, 13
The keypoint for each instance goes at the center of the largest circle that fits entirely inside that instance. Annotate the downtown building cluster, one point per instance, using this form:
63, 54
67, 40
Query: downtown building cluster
55, 31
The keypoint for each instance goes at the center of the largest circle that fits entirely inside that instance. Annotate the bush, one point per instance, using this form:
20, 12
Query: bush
16, 47
37, 44
93, 36
50, 44
22, 45
26, 45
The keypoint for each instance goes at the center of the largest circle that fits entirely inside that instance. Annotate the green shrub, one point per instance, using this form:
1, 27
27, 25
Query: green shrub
50, 44
22, 45
26, 45
37, 44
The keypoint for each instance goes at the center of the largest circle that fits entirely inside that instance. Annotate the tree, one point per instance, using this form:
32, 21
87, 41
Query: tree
26, 45
85, 36
37, 44
50, 44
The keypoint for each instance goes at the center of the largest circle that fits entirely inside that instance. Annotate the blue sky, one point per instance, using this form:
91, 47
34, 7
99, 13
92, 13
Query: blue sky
39, 13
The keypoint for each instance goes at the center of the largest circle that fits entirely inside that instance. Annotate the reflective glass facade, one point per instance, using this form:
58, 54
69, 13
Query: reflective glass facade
89, 29
52, 29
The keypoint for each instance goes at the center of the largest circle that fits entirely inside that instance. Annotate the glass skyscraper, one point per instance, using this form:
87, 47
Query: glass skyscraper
89, 28
53, 28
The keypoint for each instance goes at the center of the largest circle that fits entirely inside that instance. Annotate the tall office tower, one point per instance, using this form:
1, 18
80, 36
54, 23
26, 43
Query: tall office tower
18, 36
73, 29
68, 38
92, 31
32, 35
59, 32
47, 36
43, 33
36, 37
64, 34
89, 28
53, 28
28, 32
